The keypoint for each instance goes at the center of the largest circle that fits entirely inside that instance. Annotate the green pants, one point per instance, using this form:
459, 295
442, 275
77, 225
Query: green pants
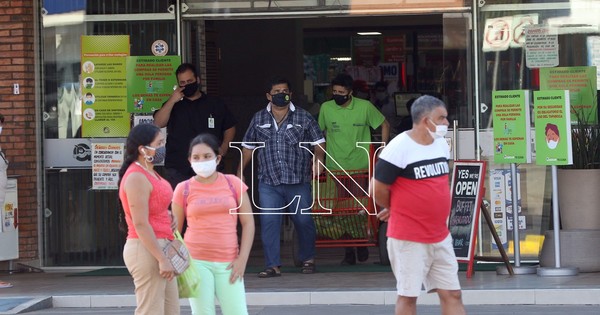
214, 282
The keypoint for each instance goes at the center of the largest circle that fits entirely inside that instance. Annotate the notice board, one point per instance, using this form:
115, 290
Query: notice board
467, 193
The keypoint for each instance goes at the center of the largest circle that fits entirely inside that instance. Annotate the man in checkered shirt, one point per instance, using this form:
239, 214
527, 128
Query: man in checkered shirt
283, 136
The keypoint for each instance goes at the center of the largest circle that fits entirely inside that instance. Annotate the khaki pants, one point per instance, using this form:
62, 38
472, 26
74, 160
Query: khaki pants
154, 295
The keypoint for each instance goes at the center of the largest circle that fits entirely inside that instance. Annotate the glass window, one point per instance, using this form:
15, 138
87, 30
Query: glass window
506, 69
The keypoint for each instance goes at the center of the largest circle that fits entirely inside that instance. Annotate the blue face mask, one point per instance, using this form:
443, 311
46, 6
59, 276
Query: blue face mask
159, 155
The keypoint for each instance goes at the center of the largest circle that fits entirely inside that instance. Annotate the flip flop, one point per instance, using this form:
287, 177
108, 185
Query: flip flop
5, 285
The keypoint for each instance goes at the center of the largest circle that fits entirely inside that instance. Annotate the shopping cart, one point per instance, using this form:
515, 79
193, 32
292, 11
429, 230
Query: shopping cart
341, 214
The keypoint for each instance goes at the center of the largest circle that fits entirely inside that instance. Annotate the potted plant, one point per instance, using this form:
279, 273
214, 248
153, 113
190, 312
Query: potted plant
578, 195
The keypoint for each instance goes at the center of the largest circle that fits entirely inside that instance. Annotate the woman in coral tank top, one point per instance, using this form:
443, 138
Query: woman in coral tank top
145, 197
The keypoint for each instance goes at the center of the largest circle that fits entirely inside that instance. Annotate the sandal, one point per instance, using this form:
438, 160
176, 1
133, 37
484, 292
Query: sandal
308, 267
5, 285
269, 273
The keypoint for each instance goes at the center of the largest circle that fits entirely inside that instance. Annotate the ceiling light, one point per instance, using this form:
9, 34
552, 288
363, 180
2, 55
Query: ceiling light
368, 33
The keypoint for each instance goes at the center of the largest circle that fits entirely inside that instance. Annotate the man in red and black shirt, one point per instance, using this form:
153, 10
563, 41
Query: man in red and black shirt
411, 182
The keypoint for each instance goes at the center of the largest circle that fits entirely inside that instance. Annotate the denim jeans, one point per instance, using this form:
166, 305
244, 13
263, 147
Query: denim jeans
270, 220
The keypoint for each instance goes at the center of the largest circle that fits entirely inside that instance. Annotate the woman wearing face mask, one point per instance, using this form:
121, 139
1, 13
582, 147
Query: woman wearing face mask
212, 203
145, 198
552, 136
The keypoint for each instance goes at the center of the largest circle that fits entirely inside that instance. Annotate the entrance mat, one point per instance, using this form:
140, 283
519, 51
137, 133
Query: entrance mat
102, 272
371, 267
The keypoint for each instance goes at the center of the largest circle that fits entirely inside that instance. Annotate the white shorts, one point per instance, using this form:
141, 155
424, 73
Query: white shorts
415, 264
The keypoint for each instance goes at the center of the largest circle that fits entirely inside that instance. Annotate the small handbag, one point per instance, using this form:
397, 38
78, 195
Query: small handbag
178, 254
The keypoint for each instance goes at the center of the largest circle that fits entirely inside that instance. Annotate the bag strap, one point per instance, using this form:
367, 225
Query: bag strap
186, 194
233, 191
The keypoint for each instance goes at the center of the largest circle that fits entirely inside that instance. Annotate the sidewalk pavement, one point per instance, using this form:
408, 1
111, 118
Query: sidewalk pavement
55, 289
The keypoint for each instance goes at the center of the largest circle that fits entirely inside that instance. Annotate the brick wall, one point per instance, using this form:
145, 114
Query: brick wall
17, 65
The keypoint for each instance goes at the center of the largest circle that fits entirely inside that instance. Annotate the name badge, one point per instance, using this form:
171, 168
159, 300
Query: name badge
211, 122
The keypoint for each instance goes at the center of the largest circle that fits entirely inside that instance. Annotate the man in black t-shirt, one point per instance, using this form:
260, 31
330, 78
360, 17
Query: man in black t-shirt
187, 113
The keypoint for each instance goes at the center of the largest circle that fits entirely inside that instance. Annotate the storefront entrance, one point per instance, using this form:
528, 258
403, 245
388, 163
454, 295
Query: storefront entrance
409, 51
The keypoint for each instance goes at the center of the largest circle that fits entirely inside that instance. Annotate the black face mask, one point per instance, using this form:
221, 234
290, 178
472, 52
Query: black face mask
341, 99
280, 99
190, 89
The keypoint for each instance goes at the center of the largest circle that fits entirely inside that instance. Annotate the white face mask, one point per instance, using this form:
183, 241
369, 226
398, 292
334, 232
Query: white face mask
552, 144
440, 131
205, 168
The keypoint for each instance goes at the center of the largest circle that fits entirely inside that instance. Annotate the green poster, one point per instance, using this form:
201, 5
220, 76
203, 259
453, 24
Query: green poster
150, 82
552, 127
582, 85
511, 126
104, 86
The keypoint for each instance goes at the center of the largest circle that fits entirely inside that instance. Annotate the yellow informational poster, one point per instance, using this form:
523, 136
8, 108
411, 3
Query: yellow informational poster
104, 86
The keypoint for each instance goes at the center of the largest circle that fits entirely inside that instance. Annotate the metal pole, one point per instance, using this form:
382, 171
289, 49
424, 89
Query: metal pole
555, 217
557, 270
178, 26
515, 208
475, 47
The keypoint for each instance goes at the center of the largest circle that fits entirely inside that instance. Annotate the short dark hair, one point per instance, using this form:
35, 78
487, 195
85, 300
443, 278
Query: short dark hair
344, 80
277, 80
185, 67
1, 118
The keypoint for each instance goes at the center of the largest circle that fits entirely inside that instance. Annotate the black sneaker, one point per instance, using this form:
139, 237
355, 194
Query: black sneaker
362, 253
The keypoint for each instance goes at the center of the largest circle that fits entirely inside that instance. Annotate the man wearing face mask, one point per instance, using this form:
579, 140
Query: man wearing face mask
347, 120
281, 136
187, 113
386, 105
411, 182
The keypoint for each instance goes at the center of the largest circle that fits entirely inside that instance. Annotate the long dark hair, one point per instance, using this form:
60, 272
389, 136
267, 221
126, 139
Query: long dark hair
205, 138
142, 134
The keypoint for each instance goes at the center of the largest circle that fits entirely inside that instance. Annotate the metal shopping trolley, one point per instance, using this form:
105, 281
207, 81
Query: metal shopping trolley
341, 214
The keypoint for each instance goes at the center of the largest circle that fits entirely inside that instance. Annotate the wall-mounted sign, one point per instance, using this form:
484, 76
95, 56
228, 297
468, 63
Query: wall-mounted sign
107, 159
104, 89
150, 82
583, 88
541, 47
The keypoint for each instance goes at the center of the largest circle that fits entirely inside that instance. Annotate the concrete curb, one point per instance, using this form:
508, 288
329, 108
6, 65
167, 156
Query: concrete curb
470, 297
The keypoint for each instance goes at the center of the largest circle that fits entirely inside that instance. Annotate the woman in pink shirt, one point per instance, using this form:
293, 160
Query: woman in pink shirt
212, 203
145, 197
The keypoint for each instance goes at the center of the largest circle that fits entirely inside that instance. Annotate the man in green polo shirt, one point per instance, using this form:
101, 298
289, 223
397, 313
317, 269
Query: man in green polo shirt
346, 120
